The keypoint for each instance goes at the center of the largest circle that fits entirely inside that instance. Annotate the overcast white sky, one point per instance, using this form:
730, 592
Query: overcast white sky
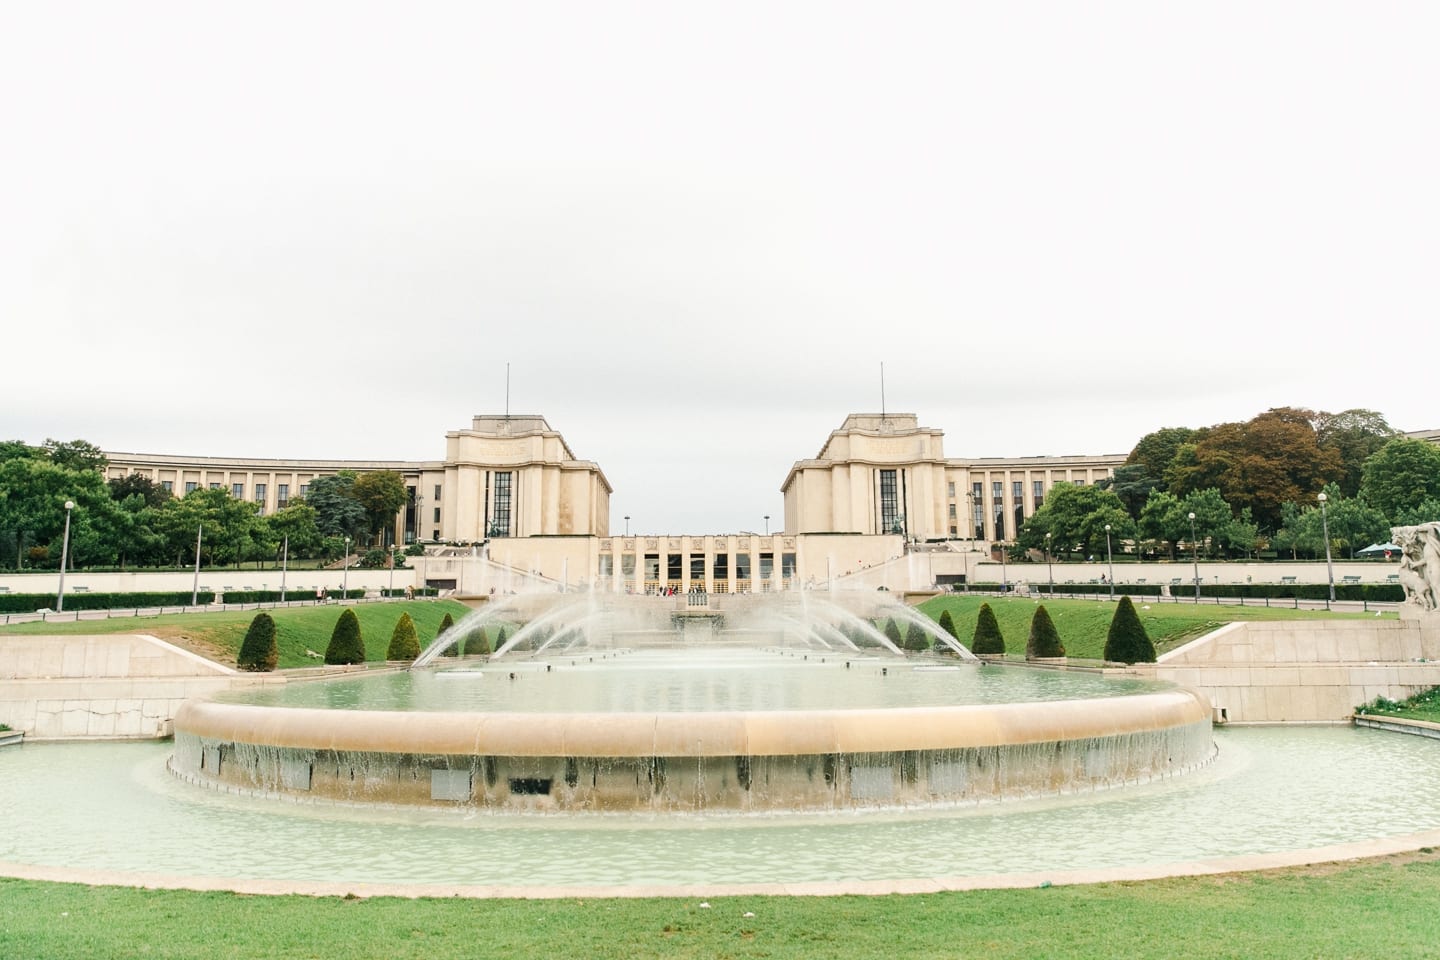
695, 230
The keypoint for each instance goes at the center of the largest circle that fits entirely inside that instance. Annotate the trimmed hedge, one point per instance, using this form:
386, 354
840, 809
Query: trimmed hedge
1094, 589
414, 592
1371, 592
30, 602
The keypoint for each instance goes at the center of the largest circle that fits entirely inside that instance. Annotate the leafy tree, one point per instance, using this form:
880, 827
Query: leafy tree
1213, 516
17, 450
1044, 639
1132, 485
296, 524
453, 649
258, 651
381, 493
346, 644
1075, 517
1259, 464
1356, 435
1401, 475
374, 558
1427, 512
1162, 519
337, 512
1352, 522
79, 455
33, 492
1156, 451
136, 484
987, 641
232, 531
1127, 641
404, 644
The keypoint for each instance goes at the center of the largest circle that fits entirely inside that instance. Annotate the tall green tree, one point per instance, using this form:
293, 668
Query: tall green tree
1401, 475
1075, 517
75, 454
1356, 436
1262, 463
381, 493
337, 512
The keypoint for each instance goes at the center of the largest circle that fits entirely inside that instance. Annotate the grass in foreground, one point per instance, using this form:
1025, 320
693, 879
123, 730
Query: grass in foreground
1367, 909
1083, 624
297, 629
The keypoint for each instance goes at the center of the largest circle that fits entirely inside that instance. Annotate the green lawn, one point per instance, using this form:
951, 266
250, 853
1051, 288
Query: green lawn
1083, 624
297, 629
1363, 910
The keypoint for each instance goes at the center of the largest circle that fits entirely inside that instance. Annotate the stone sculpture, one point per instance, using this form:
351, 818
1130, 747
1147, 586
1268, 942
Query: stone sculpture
1419, 564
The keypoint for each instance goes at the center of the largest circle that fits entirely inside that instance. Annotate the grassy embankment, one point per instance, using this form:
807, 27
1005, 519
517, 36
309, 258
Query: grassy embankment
1083, 624
1382, 908
297, 629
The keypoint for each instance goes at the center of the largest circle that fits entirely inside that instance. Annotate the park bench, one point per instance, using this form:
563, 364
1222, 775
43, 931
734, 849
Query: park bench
1288, 580
1392, 578
1350, 578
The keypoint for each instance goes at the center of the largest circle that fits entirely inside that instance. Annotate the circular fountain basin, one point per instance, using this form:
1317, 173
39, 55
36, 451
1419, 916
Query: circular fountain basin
794, 734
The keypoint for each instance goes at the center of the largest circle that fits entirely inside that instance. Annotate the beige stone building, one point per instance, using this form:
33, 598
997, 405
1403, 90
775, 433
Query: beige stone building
510, 507
886, 474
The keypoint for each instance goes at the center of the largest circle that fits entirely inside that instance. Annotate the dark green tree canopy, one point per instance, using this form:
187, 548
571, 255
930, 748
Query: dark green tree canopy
1401, 475
337, 512
381, 493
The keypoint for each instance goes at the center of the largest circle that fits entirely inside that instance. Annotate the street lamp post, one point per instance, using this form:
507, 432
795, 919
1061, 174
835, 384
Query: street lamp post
1109, 561
1049, 564
1195, 557
64, 555
767, 524
345, 579
195, 581
284, 565
627, 524
1329, 567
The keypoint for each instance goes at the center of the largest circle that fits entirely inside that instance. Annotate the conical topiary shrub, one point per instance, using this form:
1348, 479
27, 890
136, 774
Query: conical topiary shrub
478, 642
258, 651
947, 623
452, 650
988, 641
916, 640
1127, 641
404, 644
1044, 642
346, 646
893, 632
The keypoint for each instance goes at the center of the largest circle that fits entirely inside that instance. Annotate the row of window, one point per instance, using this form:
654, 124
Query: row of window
675, 564
237, 490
